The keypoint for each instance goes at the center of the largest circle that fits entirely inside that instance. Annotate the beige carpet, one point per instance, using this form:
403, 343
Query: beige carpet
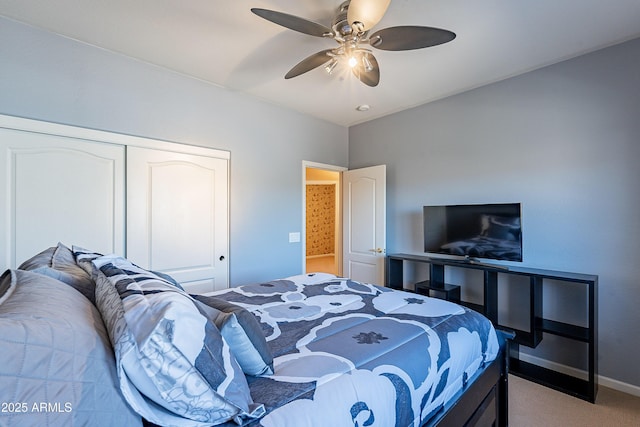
532, 405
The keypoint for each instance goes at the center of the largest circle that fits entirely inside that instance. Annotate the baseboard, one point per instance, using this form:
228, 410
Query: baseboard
319, 256
619, 385
579, 373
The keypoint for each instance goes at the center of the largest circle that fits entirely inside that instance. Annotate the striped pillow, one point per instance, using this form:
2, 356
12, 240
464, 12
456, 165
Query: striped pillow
174, 366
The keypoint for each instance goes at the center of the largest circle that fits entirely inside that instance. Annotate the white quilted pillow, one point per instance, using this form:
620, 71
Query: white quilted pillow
56, 364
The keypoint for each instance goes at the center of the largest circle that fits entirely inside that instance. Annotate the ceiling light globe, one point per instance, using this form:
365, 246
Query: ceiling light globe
366, 12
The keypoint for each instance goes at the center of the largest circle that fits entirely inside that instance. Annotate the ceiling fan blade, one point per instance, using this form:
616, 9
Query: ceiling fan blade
309, 63
368, 74
367, 12
294, 22
409, 37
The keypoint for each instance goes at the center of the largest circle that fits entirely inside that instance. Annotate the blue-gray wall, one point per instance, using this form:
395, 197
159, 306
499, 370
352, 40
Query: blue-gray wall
51, 78
565, 142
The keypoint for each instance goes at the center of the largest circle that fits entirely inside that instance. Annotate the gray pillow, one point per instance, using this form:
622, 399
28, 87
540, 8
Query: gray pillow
7, 286
59, 263
43, 259
242, 331
55, 350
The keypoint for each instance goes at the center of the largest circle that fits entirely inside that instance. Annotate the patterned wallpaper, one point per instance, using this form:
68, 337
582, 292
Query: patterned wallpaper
321, 219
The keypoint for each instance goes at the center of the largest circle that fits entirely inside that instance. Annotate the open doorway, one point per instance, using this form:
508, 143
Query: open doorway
359, 215
322, 218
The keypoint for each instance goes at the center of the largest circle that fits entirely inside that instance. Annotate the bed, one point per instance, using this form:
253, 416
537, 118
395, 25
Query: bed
100, 341
349, 353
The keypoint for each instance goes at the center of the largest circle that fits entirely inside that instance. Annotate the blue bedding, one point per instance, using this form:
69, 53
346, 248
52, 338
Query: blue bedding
354, 354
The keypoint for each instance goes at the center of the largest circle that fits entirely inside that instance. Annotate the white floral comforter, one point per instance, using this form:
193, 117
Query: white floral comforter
355, 354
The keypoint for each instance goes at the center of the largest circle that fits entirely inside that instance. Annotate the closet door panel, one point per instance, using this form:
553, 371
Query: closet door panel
59, 189
177, 221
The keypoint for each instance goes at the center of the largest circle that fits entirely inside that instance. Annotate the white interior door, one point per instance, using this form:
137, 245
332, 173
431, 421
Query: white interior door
364, 224
55, 188
177, 216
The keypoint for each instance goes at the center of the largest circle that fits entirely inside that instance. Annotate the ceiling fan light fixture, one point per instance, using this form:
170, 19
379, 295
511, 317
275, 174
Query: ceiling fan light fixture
350, 29
366, 64
331, 65
364, 14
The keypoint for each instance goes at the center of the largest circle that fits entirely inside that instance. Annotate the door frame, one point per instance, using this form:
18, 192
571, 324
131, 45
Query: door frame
303, 238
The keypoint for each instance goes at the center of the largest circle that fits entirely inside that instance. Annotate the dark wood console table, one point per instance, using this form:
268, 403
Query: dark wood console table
436, 286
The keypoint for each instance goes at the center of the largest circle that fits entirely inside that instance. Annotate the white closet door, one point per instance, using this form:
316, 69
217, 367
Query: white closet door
177, 216
58, 189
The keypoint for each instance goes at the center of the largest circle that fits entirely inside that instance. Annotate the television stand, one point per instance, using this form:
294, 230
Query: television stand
474, 261
537, 324
443, 291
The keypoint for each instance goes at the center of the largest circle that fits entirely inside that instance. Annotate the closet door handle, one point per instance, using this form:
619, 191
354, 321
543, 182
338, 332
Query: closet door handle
221, 258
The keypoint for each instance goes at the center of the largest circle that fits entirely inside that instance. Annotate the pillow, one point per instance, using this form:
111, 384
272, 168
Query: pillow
43, 259
55, 350
59, 263
84, 257
242, 331
174, 366
6, 286
167, 278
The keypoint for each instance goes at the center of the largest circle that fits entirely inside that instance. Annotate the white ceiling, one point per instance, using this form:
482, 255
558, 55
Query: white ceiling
222, 42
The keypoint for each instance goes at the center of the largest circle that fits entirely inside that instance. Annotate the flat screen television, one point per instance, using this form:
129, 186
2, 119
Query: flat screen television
490, 231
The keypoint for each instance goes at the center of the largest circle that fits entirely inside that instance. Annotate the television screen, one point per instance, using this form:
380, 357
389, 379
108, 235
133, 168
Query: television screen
474, 231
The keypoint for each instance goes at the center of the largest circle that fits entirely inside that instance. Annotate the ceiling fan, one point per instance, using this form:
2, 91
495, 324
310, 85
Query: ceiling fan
350, 29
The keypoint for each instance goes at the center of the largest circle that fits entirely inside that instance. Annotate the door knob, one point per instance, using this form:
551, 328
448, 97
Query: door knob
221, 258
379, 250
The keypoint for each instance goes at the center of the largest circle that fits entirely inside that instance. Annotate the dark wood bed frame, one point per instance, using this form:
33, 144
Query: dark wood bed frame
484, 401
